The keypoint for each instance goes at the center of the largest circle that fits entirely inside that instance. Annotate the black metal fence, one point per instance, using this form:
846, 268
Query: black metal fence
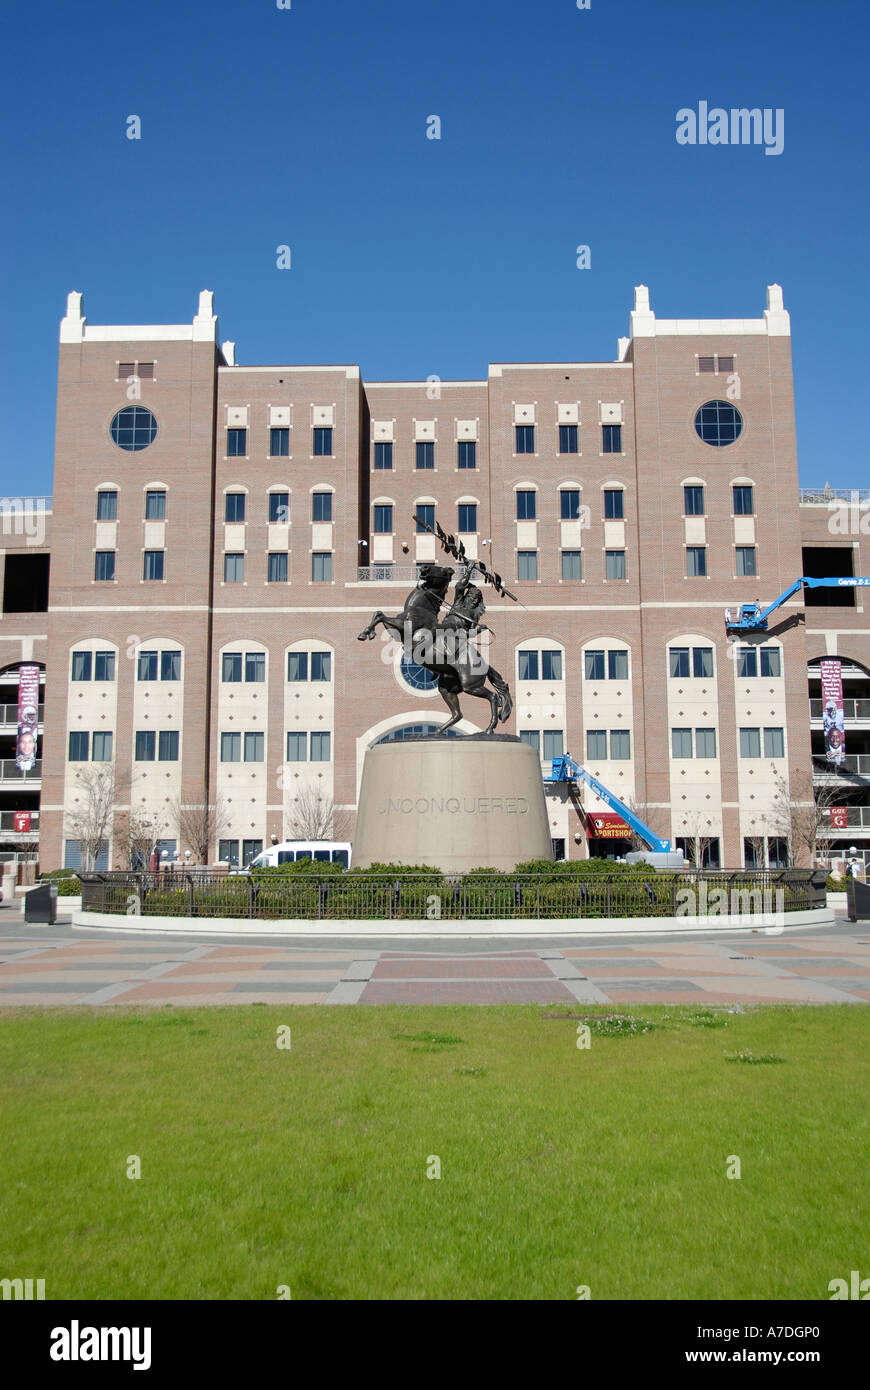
379, 897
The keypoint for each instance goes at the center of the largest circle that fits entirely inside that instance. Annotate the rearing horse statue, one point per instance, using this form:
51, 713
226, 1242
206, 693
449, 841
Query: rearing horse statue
443, 647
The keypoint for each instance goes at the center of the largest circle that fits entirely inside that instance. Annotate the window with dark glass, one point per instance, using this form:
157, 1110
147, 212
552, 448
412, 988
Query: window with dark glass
572, 567
467, 517
693, 499
681, 743
747, 662
146, 743
532, 737
237, 443
466, 453
101, 748
774, 743
104, 666
297, 666
614, 564
276, 571
596, 745
525, 439
527, 663
254, 747
718, 423
321, 506
321, 666
167, 746
705, 743
320, 747
255, 667
526, 505
383, 520
104, 564
297, 748
771, 661
617, 665
696, 561
678, 659
107, 506
279, 508
750, 743
133, 428
706, 364
614, 504
155, 505
593, 665
425, 454
425, 514
745, 559
611, 439
554, 743
81, 666
79, 743
323, 442
620, 744
551, 666
569, 504
527, 564
170, 666
152, 567
744, 502
234, 567
702, 662
231, 748
279, 442
383, 455
321, 566
568, 439
234, 507
146, 666
231, 667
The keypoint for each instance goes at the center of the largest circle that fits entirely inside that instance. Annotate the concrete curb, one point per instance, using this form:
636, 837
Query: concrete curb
768, 923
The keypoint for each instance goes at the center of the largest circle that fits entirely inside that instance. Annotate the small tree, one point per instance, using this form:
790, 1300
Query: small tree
90, 817
136, 836
801, 814
200, 823
697, 830
656, 817
312, 815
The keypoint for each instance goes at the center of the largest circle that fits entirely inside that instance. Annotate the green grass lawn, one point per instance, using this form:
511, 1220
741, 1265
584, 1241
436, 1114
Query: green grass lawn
307, 1167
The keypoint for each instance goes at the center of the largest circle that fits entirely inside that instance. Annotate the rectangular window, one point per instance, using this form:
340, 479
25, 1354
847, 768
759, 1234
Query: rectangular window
276, 572
321, 506
320, 748
234, 507
527, 564
554, 744
250, 850
681, 743
702, 663
383, 456
572, 565
383, 521
231, 748
279, 443
777, 852
526, 509
467, 517
746, 560
155, 506
614, 564
611, 439
237, 443
153, 564
146, 740
101, 748
693, 499
323, 442
466, 453
146, 666
725, 364
747, 663
107, 506
78, 747
297, 666
425, 514
617, 665
569, 503
551, 666
167, 746
231, 667
234, 567
532, 737
297, 748
104, 564
750, 743
255, 667
614, 504
170, 666
104, 666
524, 436
425, 456
705, 743
771, 663
146, 371
81, 666
620, 744
254, 747
706, 364
279, 508
321, 566
568, 439
228, 853
774, 743
696, 561
678, 658
744, 504
596, 745
126, 369
527, 666
594, 666
321, 666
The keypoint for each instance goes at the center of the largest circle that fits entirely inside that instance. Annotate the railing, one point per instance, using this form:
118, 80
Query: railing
852, 709
9, 714
858, 765
822, 496
380, 897
7, 821
857, 818
10, 771
380, 574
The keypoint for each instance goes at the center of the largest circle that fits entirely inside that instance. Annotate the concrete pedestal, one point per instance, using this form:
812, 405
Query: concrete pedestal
455, 803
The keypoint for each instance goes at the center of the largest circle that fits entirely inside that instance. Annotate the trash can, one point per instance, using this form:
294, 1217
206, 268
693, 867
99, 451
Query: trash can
857, 900
40, 904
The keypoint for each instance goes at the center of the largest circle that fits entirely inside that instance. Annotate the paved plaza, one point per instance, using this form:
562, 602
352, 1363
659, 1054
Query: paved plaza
61, 966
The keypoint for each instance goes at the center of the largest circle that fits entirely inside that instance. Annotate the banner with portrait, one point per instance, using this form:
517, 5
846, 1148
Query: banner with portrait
28, 717
833, 713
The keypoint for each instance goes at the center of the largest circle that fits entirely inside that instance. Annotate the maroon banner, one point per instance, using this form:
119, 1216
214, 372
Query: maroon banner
607, 825
833, 714
20, 820
28, 716
839, 818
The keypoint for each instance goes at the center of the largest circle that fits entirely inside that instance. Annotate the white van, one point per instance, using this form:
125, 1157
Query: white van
327, 851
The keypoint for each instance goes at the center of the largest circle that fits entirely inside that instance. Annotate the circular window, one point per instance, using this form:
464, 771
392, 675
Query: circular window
134, 428
414, 731
417, 677
718, 423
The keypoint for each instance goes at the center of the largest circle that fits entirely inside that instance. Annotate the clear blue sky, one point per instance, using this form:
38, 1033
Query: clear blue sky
410, 256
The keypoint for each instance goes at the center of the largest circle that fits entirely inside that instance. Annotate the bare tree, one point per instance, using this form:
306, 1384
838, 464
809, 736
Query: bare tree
200, 823
136, 836
90, 817
801, 814
312, 815
697, 830
656, 817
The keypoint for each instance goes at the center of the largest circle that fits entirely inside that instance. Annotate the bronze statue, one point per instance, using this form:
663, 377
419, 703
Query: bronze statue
444, 647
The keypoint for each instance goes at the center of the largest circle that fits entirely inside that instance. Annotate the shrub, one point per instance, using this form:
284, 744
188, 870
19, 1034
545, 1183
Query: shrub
57, 874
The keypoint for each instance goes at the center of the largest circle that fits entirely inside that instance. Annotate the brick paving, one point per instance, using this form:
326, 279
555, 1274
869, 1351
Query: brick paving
51, 967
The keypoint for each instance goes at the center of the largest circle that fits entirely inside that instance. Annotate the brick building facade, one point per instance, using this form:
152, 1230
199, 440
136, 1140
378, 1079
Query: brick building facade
221, 533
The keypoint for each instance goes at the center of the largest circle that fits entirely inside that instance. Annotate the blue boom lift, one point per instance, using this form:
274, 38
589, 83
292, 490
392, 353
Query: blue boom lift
751, 617
565, 769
